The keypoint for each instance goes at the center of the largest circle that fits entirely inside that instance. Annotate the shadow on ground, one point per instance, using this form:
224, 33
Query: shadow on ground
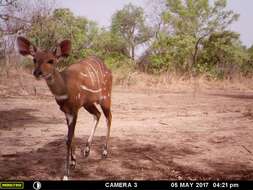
237, 96
10, 119
127, 160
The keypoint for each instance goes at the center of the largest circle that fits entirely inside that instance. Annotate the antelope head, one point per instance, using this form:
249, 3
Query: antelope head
44, 60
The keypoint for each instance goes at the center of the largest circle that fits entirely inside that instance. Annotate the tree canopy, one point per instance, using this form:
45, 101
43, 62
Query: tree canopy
186, 36
130, 25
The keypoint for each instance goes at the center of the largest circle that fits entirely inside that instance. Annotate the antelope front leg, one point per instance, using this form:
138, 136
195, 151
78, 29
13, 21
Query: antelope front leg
93, 110
108, 115
71, 121
88, 144
72, 155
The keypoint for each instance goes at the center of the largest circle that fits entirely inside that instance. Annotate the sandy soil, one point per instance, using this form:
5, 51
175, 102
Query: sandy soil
156, 134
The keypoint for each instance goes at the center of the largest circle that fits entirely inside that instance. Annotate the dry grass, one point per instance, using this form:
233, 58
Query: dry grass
248, 112
17, 81
175, 82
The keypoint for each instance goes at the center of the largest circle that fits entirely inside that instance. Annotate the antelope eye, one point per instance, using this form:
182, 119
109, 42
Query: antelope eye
51, 61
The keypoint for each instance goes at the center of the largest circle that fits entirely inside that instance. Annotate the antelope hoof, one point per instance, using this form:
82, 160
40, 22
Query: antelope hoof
104, 154
65, 178
87, 151
73, 164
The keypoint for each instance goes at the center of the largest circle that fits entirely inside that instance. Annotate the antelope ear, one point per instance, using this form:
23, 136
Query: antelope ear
25, 47
63, 49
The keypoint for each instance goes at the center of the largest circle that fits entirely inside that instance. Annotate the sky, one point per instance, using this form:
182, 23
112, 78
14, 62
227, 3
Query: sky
101, 11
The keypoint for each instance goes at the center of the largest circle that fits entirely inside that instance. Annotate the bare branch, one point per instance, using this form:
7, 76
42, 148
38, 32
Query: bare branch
5, 3
8, 17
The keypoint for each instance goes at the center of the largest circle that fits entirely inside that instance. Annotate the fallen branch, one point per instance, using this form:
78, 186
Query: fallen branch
246, 149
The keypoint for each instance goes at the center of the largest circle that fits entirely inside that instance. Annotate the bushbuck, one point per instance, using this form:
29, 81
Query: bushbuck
83, 84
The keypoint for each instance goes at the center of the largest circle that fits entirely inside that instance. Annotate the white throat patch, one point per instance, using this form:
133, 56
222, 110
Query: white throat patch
61, 97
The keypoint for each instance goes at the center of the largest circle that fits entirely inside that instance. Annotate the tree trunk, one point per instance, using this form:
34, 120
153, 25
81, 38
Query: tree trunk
132, 52
195, 54
194, 57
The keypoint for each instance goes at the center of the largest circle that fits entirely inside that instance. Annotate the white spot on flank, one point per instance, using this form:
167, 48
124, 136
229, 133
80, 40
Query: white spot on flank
69, 118
103, 98
90, 90
61, 97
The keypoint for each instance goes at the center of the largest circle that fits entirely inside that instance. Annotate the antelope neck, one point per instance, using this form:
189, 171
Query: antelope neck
57, 85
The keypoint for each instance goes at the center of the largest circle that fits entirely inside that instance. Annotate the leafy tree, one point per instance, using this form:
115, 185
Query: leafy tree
129, 24
247, 67
222, 54
46, 31
86, 36
170, 53
186, 35
199, 19
109, 44
250, 52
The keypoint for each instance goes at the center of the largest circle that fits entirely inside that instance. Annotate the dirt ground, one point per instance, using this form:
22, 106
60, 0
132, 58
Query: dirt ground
156, 134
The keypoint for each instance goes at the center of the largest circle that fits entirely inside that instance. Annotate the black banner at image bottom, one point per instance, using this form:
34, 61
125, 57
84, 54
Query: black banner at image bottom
133, 185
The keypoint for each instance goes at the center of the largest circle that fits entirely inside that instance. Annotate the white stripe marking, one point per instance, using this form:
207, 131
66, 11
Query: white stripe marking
84, 75
100, 68
90, 90
91, 77
96, 73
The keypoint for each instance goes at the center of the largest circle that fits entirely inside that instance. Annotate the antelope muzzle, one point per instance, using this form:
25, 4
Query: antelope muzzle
37, 73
